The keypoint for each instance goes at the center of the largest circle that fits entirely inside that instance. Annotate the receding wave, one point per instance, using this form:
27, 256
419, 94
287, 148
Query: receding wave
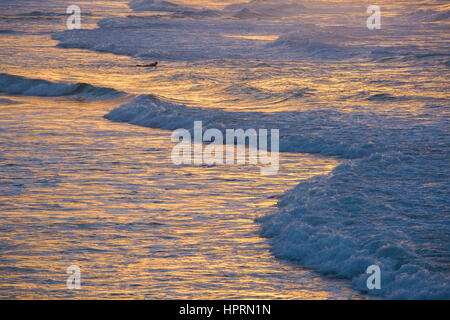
13, 84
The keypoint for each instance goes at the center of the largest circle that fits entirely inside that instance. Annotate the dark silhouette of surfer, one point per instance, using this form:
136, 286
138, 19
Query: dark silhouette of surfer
153, 64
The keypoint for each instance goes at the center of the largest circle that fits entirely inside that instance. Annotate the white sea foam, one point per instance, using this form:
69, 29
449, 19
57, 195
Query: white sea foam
194, 33
299, 131
380, 210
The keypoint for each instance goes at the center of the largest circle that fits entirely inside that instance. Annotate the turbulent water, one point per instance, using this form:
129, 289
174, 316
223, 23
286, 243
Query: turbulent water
364, 134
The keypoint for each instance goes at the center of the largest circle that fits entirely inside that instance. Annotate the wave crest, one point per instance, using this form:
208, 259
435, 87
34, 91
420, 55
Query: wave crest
13, 84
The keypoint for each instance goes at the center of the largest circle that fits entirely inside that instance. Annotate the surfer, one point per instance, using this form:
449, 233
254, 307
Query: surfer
153, 64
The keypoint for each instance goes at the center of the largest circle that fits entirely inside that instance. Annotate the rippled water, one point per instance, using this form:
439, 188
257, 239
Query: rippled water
76, 188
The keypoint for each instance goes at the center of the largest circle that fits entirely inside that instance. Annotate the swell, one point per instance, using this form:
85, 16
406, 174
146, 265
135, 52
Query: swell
12, 84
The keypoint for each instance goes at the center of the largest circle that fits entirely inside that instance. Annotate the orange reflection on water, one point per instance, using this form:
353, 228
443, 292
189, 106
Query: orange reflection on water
106, 197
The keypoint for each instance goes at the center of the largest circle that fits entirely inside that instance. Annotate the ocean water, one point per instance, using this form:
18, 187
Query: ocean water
86, 176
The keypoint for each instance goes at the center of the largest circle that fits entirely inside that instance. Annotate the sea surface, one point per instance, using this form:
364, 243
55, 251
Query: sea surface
86, 176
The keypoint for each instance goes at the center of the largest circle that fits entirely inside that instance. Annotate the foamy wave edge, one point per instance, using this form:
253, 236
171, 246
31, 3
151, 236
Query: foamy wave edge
358, 215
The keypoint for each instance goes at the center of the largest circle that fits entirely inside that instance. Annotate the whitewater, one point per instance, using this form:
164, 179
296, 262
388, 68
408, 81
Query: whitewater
364, 129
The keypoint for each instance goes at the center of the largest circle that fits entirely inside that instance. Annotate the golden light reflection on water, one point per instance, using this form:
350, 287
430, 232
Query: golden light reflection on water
254, 37
78, 189
241, 85
106, 197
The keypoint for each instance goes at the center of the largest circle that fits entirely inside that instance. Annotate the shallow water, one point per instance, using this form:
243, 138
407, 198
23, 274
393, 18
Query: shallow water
79, 189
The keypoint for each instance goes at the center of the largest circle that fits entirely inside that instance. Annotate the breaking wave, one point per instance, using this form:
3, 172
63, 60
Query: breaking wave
152, 5
13, 84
